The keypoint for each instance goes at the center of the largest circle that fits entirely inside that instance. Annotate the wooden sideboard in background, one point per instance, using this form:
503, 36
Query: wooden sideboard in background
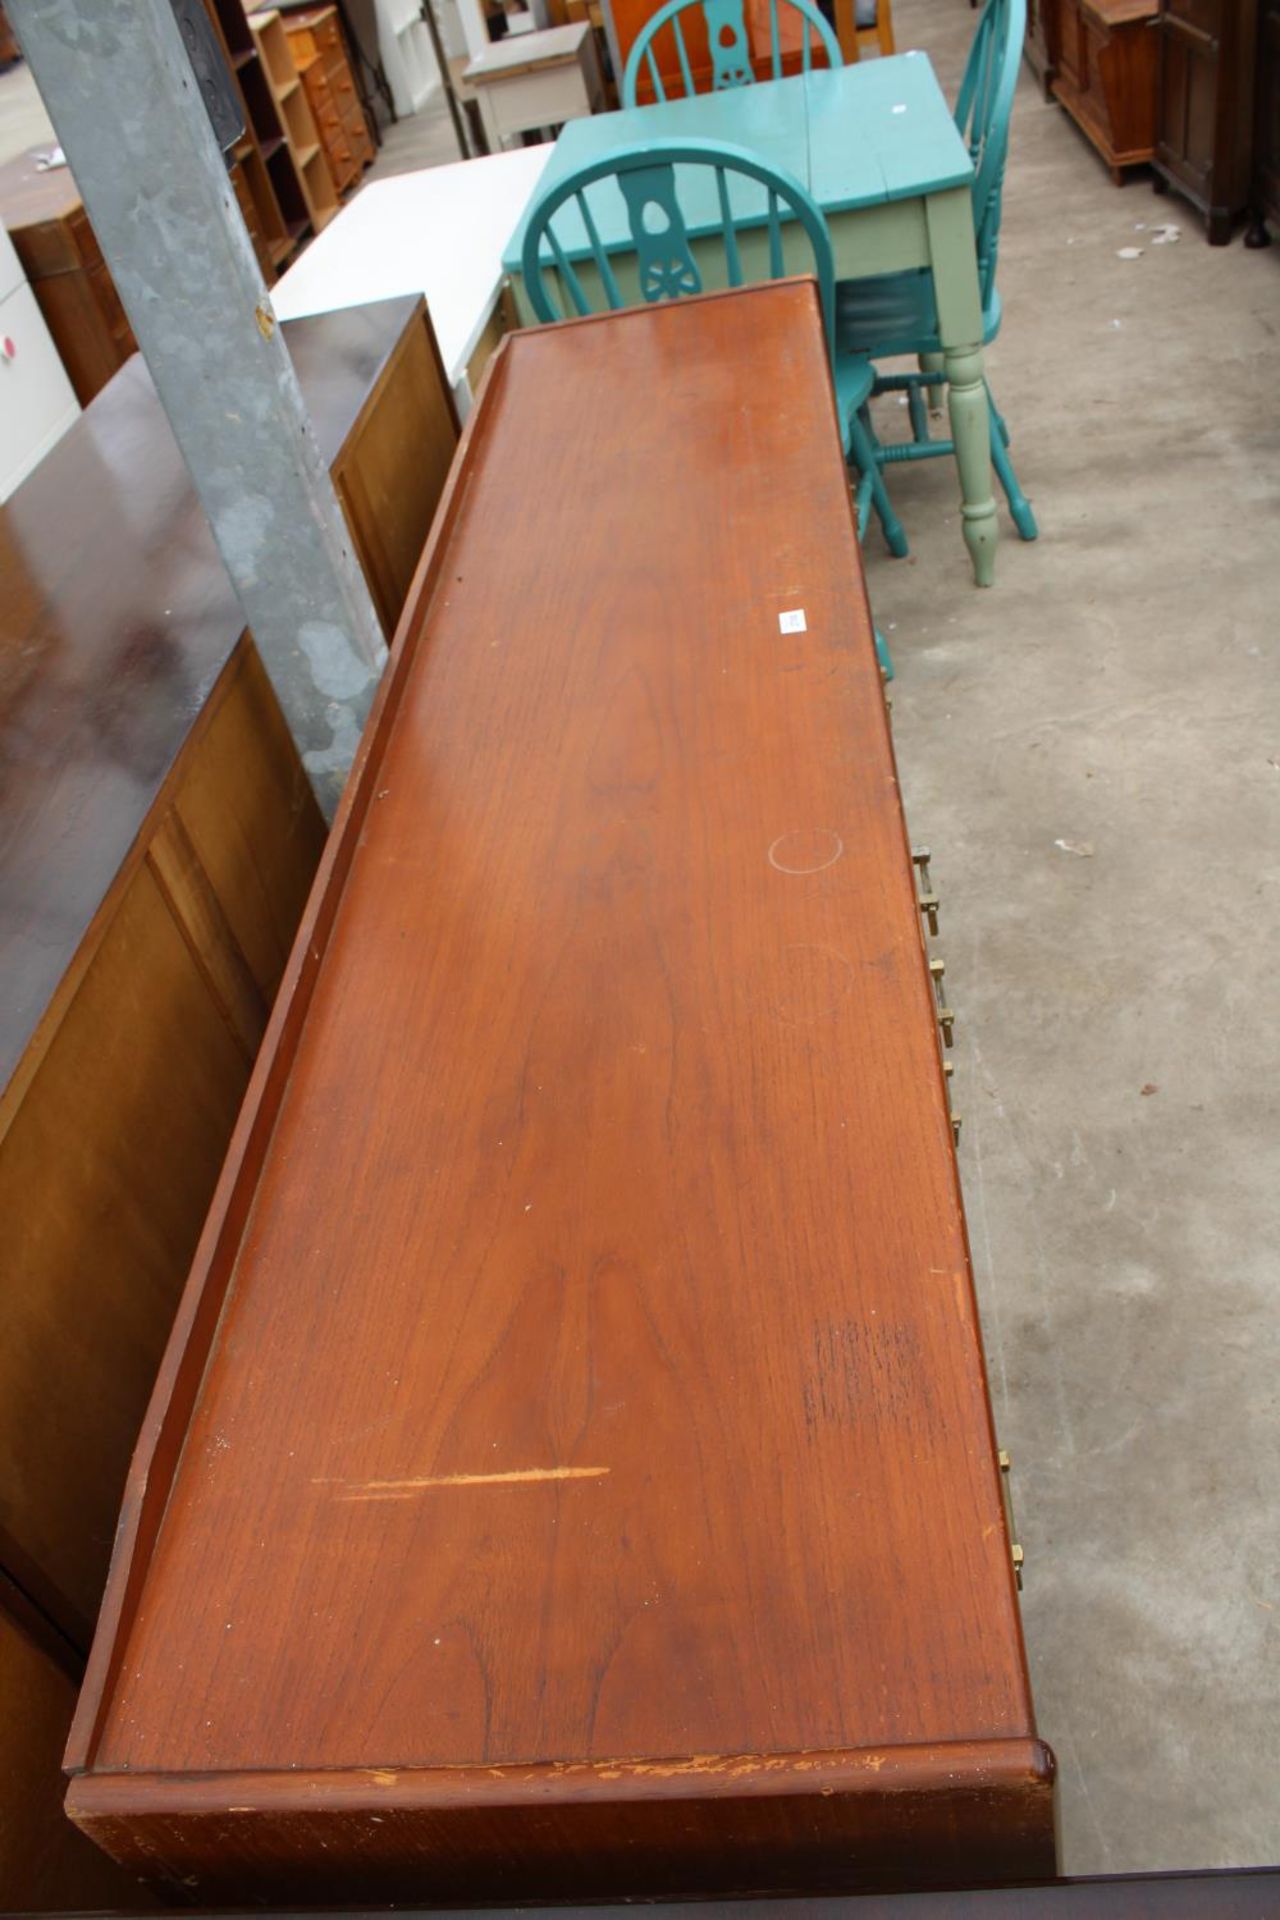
1105, 75
9, 48
1040, 49
68, 275
1266, 159
1193, 86
1205, 108
157, 841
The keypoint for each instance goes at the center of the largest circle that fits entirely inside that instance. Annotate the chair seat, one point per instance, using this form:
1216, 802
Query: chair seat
896, 313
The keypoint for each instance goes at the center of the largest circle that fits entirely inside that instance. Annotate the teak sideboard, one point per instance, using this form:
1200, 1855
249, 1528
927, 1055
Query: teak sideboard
572, 1470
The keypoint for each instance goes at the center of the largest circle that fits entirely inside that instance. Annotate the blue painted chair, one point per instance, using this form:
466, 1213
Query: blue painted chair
728, 42
897, 313
562, 236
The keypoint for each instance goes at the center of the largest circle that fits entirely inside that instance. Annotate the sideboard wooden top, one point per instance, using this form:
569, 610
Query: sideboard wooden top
581, 1368
116, 617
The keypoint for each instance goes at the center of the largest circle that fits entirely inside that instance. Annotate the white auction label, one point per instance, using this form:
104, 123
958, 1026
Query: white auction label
793, 622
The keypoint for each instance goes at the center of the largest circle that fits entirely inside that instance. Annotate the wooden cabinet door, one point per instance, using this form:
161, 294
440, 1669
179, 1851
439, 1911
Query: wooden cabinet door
1188, 88
1205, 104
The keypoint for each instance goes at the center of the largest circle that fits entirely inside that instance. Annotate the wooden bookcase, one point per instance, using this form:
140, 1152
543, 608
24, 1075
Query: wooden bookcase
302, 138
269, 178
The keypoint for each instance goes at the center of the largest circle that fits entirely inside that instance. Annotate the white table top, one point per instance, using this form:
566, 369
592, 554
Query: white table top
439, 232
522, 50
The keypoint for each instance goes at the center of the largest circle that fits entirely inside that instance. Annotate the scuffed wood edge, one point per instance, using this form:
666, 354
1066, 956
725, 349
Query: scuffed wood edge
1018, 1764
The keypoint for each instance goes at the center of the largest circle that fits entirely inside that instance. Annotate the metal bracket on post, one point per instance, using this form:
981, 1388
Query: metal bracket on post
128, 112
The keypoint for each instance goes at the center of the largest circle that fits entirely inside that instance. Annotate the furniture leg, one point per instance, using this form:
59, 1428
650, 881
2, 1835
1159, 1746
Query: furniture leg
933, 363
1019, 506
864, 455
998, 421
949, 219
918, 408
883, 655
492, 133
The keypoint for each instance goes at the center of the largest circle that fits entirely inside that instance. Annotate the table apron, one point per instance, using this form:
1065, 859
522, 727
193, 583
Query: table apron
535, 99
879, 239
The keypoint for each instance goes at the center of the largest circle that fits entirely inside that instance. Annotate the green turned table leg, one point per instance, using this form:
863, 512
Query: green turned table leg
949, 217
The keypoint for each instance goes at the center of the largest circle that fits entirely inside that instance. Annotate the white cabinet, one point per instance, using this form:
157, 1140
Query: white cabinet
407, 54
36, 402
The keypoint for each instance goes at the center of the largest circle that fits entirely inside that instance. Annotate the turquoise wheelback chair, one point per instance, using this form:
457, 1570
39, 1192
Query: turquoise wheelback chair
562, 237
727, 42
897, 313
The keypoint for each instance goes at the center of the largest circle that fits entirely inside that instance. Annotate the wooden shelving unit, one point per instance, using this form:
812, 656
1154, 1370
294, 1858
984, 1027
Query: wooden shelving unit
281, 76
262, 171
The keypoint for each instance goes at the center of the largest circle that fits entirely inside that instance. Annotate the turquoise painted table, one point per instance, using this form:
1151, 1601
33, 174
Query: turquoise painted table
877, 148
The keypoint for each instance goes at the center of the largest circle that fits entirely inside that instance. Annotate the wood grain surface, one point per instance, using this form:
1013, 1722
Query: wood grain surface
572, 1468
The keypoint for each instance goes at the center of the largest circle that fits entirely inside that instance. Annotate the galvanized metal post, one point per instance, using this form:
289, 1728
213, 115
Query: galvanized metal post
120, 91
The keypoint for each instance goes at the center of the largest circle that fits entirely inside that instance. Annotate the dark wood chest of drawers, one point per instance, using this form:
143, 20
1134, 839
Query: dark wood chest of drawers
572, 1472
1205, 136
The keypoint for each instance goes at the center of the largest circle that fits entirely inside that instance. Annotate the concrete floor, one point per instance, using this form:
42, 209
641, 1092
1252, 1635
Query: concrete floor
1117, 1056
1118, 1048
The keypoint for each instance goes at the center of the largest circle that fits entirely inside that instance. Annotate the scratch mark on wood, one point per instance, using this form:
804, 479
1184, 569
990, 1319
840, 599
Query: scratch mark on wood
402, 1489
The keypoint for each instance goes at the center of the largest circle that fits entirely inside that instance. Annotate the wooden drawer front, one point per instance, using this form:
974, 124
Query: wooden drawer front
84, 240
328, 120
1188, 85
342, 163
62, 245
358, 133
316, 81
343, 87
328, 34
114, 316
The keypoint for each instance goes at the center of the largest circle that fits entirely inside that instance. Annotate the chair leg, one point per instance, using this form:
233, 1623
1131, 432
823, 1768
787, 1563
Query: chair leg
1019, 506
883, 655
935, 363
862, 446
884, 26
997, 418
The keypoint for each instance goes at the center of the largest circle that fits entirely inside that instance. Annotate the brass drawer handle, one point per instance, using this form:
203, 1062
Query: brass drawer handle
920, 858
946, 1018
1015, 1551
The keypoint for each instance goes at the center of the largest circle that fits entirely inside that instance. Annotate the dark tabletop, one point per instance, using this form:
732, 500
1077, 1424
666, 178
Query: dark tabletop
116, 618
